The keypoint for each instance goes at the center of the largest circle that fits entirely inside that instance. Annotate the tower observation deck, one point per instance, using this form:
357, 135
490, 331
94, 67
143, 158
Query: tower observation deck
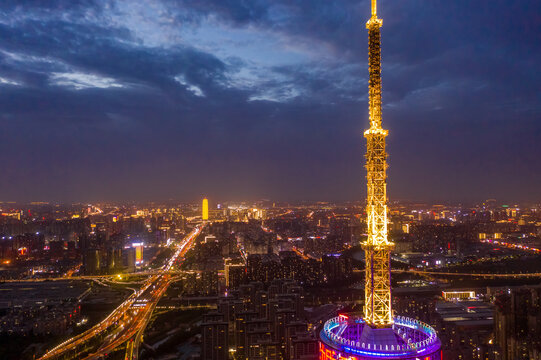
379, 333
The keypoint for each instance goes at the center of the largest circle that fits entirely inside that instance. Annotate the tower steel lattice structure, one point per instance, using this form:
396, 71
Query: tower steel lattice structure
378, 333
378, 309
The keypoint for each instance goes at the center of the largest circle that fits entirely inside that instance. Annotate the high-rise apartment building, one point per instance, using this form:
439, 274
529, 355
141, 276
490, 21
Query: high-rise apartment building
517, 324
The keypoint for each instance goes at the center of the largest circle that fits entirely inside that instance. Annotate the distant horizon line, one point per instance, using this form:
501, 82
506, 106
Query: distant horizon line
278, 202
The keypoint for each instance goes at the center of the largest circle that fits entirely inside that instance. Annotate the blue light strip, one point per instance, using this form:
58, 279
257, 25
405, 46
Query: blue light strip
429, 344
361, 352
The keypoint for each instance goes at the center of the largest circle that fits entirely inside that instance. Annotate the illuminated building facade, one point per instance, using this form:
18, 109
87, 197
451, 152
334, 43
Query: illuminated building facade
138, 253
379, 334
348, 338
205, 209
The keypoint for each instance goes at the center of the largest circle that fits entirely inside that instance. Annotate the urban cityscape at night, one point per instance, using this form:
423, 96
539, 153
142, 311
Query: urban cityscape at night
270, 180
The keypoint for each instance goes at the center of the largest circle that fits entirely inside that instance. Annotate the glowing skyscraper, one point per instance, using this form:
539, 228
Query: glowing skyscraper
379, 333
205, 209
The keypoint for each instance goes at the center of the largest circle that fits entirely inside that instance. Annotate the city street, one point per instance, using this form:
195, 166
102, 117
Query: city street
127, 320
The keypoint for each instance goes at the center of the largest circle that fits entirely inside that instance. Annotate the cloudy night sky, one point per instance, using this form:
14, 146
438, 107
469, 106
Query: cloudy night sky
248, 99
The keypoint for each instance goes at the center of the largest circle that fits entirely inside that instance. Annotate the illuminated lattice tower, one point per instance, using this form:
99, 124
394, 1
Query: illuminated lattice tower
377, 310
379, 333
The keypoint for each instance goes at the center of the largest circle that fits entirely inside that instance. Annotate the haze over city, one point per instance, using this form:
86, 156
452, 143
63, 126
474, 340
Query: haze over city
209, 180
138, 100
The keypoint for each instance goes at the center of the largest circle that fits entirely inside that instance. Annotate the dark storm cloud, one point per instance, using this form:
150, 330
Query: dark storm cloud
98, 49
129, 100
26, 5
239, 12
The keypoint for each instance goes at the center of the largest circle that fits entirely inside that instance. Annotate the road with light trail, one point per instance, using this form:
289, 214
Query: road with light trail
128, 318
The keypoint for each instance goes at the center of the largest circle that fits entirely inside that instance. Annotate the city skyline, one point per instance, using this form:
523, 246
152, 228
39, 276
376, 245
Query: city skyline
108, 100
189, 180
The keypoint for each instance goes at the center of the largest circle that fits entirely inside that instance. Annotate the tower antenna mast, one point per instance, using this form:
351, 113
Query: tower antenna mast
378, 333
377, 310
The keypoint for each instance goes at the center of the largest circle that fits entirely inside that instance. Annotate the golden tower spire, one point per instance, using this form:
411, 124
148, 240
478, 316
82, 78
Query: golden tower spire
377, 309
378, 334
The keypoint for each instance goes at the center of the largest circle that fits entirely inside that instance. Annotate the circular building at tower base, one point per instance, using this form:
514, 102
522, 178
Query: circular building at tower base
348, 338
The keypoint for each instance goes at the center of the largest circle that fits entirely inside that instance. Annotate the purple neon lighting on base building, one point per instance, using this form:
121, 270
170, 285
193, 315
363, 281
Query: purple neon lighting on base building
343, 337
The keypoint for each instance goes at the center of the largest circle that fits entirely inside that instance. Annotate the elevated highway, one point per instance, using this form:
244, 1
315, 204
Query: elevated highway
127, 322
